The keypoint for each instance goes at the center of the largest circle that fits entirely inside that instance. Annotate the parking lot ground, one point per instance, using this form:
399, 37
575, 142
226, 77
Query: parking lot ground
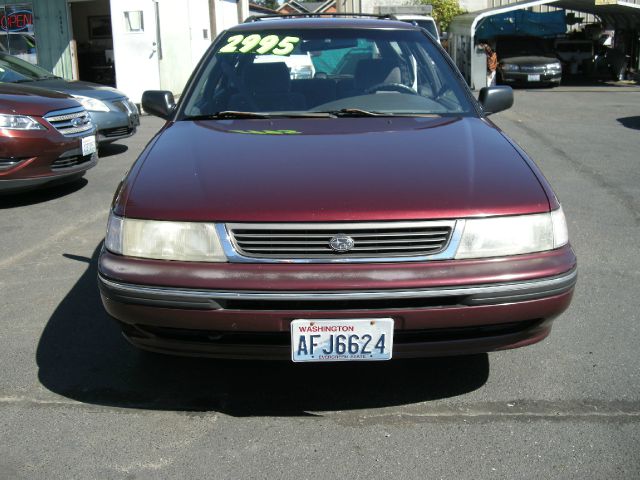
76, 401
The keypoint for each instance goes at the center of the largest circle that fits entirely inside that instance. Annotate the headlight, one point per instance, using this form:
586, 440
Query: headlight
186, 241
19, 122
92, 104
554, 66
510, 67
513, 235
131, 106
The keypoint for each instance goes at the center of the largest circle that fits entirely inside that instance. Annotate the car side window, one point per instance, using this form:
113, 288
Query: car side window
8, 75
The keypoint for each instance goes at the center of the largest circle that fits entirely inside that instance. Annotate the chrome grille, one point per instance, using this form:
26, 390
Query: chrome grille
533, 68
116, 132
7, 163
70, 122
370, 240
68, 162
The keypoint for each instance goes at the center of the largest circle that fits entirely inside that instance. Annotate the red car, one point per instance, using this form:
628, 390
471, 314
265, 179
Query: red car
365, 211
46, 138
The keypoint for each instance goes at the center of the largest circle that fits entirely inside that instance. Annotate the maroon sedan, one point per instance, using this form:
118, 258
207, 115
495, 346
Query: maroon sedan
46, 138
329, 190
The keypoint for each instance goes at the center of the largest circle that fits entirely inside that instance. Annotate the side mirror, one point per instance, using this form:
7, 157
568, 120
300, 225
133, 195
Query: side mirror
494, 99
159, 103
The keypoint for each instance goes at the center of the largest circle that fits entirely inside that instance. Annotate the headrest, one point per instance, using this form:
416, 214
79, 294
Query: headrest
267, 77
372, 71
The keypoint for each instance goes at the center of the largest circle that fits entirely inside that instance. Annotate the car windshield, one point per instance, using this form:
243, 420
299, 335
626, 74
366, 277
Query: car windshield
15, 70
521, 46
337, 71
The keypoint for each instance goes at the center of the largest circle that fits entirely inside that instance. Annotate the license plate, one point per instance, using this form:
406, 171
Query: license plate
88, 145
533, 78
363, 339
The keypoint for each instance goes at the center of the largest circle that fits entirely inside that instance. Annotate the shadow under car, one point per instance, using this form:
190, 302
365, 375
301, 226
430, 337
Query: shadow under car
82, 355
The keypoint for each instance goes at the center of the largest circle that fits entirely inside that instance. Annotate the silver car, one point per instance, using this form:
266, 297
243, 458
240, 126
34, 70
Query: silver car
115, 116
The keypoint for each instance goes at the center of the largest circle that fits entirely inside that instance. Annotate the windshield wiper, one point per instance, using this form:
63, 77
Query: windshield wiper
357, 112
232, 114
354, 112
227, 114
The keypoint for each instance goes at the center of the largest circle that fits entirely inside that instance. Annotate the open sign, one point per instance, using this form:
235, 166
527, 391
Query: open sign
16, 21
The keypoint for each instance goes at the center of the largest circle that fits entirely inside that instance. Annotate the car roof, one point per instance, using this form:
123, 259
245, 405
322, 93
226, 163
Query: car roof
302, 23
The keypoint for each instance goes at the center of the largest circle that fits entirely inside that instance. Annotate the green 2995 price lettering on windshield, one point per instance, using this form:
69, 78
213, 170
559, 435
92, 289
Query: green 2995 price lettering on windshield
267, 45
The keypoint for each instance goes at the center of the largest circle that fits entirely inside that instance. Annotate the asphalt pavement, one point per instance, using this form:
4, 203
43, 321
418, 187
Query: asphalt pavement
77, 402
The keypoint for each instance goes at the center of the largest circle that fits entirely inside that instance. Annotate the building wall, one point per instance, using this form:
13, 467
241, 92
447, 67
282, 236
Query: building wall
226, 14
369, 6
200, 28
182, 30
474, 5
52, 31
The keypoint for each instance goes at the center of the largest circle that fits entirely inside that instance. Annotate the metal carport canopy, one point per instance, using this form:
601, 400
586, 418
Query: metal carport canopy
617, 13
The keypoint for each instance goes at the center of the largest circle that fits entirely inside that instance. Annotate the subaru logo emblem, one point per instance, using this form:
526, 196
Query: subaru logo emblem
77, 122
341, 243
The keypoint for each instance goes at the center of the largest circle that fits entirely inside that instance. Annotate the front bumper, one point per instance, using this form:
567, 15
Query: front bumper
23, 184
246, 312
520, 78
488, 294
45, 159
120, 122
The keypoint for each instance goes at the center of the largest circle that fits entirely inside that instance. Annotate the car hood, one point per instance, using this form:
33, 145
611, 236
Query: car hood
330, 170
93, 90
25, 100
532, 60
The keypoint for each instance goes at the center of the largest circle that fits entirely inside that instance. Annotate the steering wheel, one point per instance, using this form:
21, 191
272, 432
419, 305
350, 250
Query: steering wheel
391, 87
